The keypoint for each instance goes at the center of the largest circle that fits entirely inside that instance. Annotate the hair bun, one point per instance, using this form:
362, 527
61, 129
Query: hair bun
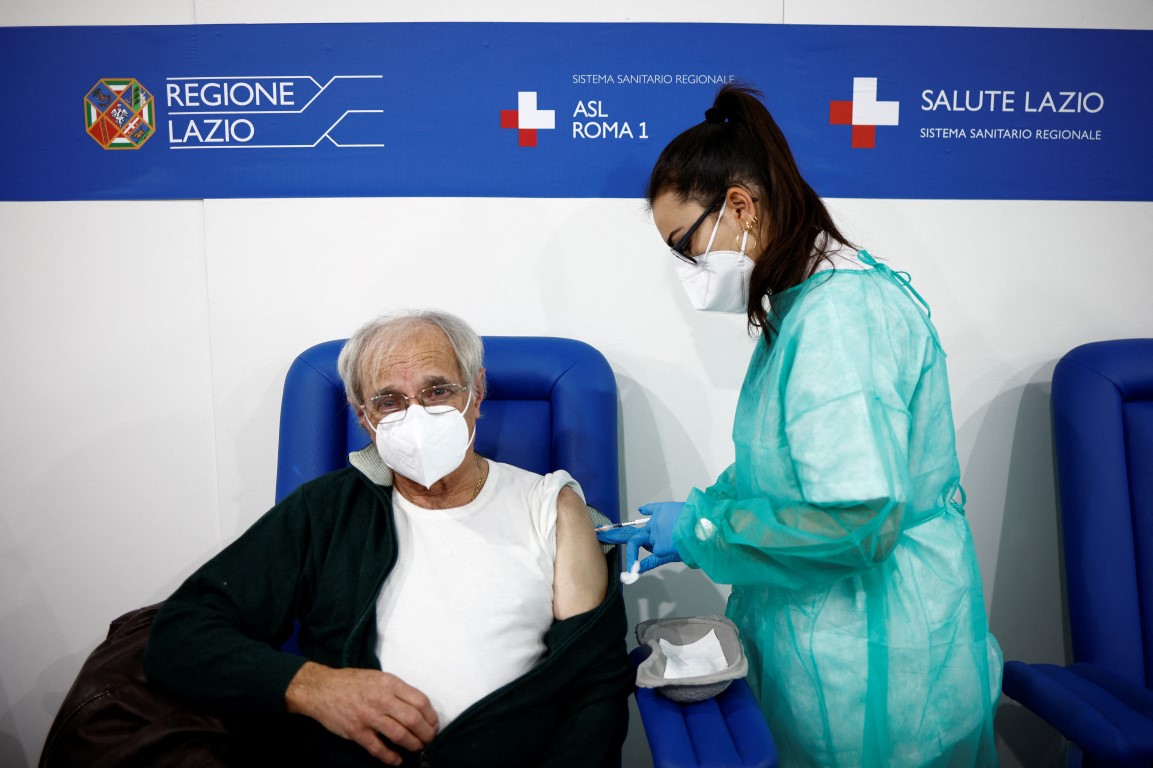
716, 115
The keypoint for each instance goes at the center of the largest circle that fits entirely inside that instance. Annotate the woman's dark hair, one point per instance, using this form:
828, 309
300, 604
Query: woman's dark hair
739, 143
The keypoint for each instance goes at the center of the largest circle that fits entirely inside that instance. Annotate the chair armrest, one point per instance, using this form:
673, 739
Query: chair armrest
1105, 715
727, 730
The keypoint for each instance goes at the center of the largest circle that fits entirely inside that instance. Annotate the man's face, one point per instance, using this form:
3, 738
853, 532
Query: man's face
424, 358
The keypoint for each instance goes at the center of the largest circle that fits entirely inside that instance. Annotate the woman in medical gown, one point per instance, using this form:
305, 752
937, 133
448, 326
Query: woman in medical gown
841, 523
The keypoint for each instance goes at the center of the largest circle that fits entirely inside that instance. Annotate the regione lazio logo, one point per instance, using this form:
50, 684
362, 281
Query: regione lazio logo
864, 113
527, 119
119, 113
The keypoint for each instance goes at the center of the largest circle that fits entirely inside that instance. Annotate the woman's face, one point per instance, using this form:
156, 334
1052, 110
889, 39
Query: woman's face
685, 225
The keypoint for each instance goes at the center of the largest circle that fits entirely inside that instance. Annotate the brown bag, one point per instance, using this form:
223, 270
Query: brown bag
113, 716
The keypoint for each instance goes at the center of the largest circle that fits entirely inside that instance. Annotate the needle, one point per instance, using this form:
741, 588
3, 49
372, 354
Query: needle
630, 524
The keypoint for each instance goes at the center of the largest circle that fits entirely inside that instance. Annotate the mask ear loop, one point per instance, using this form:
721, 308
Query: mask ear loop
716, 227
467, 403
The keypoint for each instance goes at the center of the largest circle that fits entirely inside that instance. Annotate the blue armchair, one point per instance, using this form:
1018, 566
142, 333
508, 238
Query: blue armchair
1103, 432
551, 404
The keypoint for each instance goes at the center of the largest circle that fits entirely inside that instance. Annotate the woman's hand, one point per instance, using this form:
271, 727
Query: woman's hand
656, 536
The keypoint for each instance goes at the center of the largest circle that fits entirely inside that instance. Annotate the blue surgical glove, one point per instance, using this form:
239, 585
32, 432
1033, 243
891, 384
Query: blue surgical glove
656, 536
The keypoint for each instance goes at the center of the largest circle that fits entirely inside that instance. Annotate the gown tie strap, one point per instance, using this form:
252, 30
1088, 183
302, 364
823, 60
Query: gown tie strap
903, 279
904, 282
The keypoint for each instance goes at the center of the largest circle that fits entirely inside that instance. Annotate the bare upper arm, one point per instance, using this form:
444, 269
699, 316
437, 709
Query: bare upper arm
580, 574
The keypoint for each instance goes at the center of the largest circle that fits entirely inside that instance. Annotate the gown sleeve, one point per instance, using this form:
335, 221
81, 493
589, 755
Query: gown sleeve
821, 482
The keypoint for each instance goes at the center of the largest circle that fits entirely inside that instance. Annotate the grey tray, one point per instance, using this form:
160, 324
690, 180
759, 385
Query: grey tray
682, 631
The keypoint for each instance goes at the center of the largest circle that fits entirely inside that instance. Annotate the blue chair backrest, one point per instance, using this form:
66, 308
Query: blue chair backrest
551, 404
1103, 432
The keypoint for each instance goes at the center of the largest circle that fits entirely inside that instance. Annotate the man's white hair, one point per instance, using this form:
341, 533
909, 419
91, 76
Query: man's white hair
375, 340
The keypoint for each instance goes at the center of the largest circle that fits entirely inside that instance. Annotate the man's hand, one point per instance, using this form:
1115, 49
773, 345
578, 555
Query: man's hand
363, 705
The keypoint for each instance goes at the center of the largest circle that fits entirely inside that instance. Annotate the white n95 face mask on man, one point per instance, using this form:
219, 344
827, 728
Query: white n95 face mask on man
719, 280
424, 446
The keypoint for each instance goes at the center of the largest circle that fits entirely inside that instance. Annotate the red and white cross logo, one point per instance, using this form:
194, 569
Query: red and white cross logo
864, 113
527, 119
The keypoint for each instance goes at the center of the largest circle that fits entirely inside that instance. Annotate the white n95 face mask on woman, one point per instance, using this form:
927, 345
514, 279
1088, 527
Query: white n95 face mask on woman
719, 280
424, 446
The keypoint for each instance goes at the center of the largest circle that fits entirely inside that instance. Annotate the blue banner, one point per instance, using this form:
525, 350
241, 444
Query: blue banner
565, 110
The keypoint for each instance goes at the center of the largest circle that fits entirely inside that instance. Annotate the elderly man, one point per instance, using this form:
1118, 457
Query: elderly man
453, 610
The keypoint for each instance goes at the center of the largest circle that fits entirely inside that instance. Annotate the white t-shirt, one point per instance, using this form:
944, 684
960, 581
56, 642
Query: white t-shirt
466, 607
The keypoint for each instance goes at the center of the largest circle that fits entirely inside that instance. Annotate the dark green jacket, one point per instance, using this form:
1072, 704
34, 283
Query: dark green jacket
319, 558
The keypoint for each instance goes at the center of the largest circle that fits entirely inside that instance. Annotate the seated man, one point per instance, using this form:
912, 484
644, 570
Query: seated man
453, 610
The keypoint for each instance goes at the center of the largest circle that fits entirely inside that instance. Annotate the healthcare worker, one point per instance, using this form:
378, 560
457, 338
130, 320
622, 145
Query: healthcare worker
841, 523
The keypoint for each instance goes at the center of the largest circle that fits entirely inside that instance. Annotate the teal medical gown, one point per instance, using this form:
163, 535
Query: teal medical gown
842, 530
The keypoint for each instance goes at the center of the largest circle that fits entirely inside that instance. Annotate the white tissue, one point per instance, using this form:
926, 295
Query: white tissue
703, 657
631, 576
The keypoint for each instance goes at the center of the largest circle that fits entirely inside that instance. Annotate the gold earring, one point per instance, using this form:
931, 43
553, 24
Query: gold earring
747, 231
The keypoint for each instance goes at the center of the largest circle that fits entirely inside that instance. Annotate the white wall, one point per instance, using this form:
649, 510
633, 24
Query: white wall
142, 388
